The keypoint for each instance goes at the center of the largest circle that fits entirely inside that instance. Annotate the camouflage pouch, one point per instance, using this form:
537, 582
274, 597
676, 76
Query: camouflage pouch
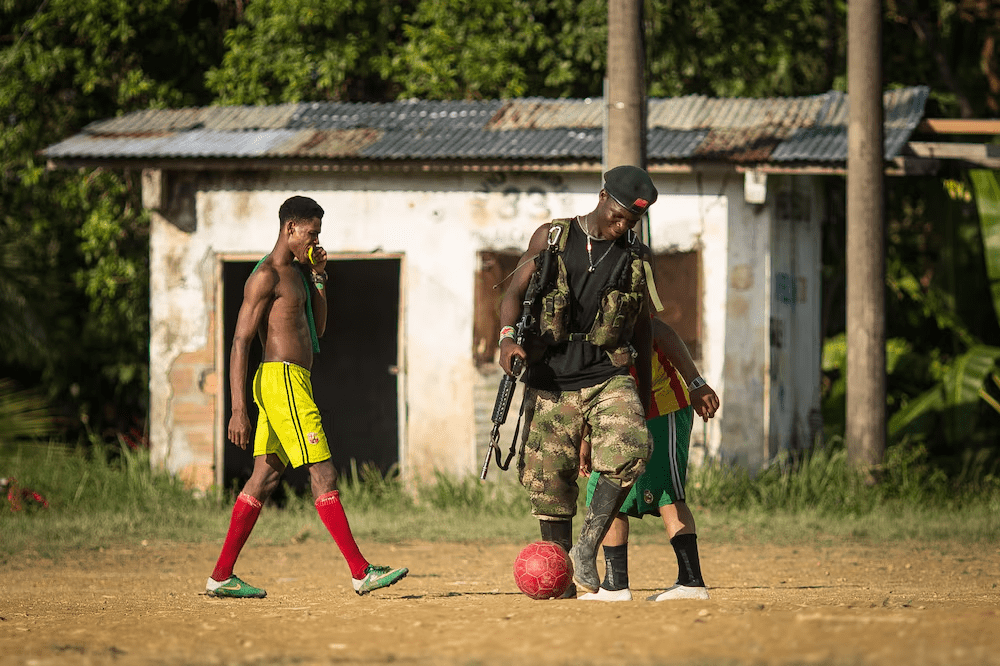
615, 317
553, 315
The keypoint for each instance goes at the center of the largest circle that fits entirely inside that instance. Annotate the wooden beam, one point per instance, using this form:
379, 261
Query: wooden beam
954, 151
959, 126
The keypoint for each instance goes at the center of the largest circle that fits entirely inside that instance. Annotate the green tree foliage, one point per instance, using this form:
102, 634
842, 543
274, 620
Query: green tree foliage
938, 299
311, 50
74, 245
732, 49
944, 338
308, 50
558, 48
497, 48
950, 44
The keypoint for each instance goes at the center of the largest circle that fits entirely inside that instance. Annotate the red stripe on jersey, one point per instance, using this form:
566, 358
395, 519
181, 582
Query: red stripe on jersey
669, 392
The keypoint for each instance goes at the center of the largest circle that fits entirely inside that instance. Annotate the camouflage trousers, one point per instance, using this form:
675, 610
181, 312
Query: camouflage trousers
554, 423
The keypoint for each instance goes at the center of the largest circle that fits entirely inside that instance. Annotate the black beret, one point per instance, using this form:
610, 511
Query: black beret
631, 187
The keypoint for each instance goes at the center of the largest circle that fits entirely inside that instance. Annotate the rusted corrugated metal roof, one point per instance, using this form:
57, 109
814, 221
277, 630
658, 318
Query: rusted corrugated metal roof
536, 113
827, 137
222, 118
743, 131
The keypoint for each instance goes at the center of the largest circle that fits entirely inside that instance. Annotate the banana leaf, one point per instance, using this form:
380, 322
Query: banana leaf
987, 195
955, 399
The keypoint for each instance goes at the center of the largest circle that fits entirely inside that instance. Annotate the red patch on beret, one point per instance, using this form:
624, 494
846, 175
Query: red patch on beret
641, 203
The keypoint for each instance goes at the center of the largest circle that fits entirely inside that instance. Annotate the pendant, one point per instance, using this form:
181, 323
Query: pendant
592, 269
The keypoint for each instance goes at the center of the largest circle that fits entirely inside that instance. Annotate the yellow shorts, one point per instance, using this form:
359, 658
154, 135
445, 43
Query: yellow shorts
289, 422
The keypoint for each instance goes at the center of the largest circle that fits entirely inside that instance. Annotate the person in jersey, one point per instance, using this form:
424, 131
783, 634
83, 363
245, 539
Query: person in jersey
678, 392
593, 324
284, 305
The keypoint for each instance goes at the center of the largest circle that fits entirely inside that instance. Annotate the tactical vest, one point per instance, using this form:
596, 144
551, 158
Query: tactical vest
621, 300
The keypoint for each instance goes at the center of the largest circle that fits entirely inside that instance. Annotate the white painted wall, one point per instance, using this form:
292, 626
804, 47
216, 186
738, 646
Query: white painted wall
795, 338
439, 222
692, 213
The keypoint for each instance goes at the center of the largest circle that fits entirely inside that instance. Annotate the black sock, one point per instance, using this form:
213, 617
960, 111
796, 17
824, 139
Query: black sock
558, 531
688, 566
616, 568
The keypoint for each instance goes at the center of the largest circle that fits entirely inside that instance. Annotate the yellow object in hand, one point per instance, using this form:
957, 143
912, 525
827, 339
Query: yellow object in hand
310, 255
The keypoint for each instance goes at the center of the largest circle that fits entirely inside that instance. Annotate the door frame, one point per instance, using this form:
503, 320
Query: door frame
221, 418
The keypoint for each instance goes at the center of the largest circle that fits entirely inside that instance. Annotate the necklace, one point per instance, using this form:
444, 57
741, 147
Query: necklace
590, 257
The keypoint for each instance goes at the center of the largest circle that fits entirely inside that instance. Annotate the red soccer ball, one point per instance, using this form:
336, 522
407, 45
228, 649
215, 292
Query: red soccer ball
543, 570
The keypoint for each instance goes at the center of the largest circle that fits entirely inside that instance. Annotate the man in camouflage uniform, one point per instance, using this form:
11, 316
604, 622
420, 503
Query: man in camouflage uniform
593, 324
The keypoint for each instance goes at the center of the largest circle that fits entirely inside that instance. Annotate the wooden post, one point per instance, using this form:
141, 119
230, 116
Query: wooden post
866, 374
626, 91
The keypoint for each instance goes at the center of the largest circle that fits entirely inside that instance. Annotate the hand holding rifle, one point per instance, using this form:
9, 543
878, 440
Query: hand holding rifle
529, 279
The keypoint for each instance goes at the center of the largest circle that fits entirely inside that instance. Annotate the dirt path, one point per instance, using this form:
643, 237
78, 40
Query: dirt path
834, 605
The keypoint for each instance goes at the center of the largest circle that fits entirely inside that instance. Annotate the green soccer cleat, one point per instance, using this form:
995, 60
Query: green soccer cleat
378, 577
233, 588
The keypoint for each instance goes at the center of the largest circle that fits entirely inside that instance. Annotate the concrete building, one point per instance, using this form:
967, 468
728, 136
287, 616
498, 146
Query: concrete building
428, 207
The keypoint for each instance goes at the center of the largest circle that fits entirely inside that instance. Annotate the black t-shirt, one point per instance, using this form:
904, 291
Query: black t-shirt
570, 366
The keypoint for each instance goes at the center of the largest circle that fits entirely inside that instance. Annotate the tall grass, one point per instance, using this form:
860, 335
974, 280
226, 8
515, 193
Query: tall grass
822, 481
101, 496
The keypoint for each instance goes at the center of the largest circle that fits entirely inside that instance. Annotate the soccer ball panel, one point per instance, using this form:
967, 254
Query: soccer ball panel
543, 570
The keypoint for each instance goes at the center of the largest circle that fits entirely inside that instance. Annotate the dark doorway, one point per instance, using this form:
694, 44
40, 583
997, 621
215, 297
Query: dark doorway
354, 375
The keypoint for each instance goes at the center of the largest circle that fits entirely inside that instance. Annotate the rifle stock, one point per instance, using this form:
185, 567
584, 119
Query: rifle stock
505, 394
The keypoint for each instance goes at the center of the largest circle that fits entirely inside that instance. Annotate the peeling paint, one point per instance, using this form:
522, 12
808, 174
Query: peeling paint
741, 277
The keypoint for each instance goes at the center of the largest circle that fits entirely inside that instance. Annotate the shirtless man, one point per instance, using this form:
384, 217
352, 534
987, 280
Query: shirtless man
284, 304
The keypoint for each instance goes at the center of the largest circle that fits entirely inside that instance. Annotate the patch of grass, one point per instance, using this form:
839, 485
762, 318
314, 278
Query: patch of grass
822, 481
101, 497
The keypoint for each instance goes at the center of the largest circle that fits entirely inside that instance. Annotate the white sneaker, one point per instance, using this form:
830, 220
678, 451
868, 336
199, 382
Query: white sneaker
680, 592
608, 595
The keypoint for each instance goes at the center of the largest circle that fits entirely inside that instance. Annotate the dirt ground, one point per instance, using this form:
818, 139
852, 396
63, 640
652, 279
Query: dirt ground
841, 605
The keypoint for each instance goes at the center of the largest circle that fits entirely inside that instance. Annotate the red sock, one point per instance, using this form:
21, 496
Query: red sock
245, 513
331, 512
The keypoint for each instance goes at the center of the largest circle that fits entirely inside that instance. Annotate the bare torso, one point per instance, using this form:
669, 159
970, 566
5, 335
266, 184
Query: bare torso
284, 329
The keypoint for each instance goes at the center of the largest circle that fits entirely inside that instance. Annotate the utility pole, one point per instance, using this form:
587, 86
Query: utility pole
625, 98
866, 375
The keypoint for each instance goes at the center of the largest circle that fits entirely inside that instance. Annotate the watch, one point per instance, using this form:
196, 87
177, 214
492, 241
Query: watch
696, 383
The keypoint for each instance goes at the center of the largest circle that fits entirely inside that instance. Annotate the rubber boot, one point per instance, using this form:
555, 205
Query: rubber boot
608, 497
560, 532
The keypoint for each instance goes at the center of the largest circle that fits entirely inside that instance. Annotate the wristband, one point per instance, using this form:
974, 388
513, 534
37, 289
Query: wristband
696, 383
319, 279
506, 332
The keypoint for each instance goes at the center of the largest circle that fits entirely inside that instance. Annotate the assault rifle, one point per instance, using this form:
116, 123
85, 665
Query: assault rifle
525, 324
504, 396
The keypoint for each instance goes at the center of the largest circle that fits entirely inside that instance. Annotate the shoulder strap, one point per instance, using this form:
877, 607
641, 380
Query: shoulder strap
654, 297
622, 269
559, 234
